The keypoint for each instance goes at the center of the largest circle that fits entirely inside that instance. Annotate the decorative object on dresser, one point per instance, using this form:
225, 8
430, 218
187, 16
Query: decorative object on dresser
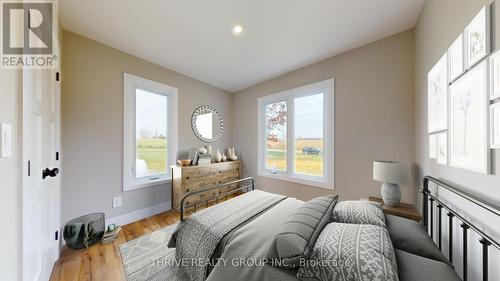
207, 124
184, 162
192, 178
404, 210
193, 156
217, 157
204, 159
204, 155
231, 155
391, 174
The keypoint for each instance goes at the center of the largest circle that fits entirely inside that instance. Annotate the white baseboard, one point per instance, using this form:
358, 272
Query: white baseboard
139, 214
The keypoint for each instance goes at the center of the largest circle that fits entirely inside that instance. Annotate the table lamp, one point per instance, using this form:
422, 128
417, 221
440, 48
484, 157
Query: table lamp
391, 174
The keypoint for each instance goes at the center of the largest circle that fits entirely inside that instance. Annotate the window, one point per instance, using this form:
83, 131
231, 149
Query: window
150, 132
294, 135
275, 131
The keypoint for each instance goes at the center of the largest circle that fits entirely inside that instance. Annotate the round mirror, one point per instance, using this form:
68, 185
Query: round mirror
207, 123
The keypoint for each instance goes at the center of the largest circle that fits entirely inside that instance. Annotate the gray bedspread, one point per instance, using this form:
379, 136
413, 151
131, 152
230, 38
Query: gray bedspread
197, 237
245, 249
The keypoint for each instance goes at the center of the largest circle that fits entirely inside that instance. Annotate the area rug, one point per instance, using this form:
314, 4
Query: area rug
147, 258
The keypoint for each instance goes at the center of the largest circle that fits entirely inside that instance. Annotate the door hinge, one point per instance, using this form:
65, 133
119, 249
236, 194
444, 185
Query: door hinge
56, 235
29, 168
57, 76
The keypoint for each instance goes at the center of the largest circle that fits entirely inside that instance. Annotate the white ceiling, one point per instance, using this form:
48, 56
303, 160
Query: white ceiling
194, 37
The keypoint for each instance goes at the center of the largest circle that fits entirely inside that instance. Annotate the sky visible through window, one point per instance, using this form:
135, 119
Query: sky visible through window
309, 117
151, 133
309, 135
151, 112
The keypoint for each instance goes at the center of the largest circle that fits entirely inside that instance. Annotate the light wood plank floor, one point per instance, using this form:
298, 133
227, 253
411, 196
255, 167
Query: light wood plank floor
102, 262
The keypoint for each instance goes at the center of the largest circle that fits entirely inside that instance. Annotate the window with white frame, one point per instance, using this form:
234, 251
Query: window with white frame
295, 134
150, 132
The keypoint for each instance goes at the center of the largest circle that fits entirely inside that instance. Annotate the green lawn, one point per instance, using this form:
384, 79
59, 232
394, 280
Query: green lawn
154, 152
304, 163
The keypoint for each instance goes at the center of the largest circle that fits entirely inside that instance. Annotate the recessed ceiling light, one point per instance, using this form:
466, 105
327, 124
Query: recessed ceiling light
237, 29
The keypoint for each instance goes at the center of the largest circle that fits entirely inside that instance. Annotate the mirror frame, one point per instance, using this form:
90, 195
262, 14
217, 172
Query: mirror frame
203, 110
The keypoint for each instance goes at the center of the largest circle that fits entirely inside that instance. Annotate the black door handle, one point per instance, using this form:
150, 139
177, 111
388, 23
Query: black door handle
50, 173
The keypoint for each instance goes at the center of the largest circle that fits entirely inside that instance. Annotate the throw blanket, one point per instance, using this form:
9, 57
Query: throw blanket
197, 237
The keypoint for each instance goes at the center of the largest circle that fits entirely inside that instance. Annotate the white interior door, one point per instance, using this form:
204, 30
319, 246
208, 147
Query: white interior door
40, 189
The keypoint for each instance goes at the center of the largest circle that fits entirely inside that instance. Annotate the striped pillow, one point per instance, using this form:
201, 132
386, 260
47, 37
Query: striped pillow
295, 240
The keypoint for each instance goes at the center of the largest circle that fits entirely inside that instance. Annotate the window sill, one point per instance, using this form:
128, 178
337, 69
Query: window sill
141, 185
296, 179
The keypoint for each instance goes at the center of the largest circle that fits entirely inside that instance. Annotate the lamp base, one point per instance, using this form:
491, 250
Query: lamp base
391, 194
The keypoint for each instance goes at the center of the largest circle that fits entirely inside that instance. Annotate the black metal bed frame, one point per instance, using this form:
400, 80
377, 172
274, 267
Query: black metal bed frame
428, 199
486, 240
241, 187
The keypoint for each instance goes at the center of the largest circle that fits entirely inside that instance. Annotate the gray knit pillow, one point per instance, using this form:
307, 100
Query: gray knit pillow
359, 212
351, 252
295, 240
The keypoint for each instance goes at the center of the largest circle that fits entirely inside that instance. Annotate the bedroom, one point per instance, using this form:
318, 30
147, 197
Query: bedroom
308, 94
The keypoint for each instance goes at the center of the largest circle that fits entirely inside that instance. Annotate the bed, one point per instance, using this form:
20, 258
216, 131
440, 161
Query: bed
232, 239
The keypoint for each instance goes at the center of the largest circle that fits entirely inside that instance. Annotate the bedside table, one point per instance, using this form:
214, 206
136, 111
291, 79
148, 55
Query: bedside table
404, 210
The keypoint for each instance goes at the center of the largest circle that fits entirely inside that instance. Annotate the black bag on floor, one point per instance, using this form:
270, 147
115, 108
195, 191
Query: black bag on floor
84, 231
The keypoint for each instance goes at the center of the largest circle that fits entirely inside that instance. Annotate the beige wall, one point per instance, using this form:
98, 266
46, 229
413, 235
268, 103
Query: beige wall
10, 189
373, 116
438, 26
92, 125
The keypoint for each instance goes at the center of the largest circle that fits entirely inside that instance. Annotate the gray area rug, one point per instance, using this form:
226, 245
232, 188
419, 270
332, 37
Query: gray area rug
148, 258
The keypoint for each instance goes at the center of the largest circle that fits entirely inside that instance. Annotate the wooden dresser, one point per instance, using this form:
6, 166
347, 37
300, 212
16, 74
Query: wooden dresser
191, 178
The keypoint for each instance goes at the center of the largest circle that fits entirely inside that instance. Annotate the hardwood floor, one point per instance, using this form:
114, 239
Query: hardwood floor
102, 262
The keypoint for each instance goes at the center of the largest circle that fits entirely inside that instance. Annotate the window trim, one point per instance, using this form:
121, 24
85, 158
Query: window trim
130, 84
328, 89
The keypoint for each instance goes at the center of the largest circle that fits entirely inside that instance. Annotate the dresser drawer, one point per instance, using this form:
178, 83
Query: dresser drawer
205, 181
208, 170
193, 178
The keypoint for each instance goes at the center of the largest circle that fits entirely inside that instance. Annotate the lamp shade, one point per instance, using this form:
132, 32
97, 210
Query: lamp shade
391, 172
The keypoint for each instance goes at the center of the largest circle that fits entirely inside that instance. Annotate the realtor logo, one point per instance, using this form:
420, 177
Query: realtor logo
28, 35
